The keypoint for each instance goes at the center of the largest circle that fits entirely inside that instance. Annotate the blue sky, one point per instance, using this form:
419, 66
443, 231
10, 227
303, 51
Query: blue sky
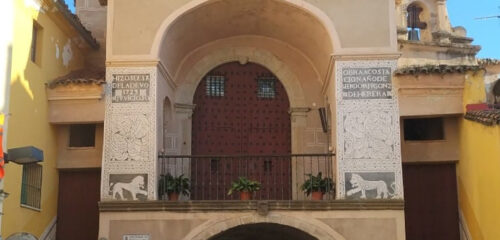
463, 13
485, 32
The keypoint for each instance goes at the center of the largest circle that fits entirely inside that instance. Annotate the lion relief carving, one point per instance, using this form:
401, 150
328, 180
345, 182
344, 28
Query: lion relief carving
135, 187
361, 185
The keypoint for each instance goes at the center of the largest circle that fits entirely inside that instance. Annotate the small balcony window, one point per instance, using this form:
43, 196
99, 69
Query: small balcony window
31, 186
215, 86
82, 135
266, 87
36, 38
424, 129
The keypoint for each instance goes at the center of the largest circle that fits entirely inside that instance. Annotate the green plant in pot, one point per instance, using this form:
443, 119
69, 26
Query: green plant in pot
173, 186
317, 186
245, 187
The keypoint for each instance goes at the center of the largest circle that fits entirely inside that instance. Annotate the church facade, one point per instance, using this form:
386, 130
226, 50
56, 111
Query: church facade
334, 119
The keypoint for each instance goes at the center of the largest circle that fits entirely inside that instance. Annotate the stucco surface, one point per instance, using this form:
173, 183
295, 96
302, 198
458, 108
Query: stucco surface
28, 119
353, 20
477, 171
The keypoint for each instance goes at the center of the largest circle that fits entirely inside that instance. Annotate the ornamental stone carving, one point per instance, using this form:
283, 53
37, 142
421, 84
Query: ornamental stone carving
130, 134
368, 138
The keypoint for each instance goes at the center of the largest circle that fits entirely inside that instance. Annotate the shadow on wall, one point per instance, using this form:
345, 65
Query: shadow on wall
263, 231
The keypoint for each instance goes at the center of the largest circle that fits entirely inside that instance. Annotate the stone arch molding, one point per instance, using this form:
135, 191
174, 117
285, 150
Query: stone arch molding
310, 226
161, 34
187, 86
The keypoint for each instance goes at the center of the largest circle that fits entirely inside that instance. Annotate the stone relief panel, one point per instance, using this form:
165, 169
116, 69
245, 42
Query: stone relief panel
377, 185
128, 186
130, 134
129, 138
368, 131
368, 134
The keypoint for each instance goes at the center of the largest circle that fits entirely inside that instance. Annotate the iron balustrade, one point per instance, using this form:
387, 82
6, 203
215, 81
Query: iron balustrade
281, 176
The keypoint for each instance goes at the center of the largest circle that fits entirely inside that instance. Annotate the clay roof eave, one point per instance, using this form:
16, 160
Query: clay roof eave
488, 117
82, 76
436, 69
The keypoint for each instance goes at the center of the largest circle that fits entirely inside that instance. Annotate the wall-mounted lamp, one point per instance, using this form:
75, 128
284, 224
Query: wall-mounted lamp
25, 155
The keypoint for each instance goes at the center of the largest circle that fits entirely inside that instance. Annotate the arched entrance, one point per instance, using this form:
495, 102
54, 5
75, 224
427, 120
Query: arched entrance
263, 231
241, 109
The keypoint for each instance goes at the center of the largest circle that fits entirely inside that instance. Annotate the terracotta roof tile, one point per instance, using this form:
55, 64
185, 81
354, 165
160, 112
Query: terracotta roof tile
436, 69
488, 117
82, 76
488, 61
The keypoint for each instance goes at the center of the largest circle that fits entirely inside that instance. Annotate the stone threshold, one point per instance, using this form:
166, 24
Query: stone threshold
230, 205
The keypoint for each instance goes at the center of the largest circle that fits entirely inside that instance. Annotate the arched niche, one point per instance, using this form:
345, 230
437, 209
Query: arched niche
199, 22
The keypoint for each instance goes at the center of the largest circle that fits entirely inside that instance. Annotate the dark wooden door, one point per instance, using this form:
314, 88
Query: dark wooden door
241, 110
77, 211
431, 205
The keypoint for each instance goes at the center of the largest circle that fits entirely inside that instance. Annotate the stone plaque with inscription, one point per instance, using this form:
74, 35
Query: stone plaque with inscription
366, 83
136, 237
130, 88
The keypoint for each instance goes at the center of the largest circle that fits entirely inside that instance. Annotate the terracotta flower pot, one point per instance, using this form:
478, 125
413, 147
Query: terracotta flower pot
317, 196
173, 196
245, 196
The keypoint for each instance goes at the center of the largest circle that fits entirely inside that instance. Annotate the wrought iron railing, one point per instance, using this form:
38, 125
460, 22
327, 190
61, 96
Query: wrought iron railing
282, 177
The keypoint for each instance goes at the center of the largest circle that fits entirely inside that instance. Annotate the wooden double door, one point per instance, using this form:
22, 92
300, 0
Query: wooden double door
240, 111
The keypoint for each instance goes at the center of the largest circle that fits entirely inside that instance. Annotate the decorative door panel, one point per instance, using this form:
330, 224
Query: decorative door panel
241, 111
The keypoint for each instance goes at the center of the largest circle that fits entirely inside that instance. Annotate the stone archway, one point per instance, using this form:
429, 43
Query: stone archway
196, 4
312, 227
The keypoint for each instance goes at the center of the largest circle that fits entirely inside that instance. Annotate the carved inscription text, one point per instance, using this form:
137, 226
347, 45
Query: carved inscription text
130, 88
366, 83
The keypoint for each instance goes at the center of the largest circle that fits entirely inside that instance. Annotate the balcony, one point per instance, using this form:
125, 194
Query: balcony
282, 177
208, 210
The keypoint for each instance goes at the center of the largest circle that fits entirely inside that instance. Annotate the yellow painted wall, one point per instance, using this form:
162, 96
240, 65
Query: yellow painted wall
478, 169
28, 122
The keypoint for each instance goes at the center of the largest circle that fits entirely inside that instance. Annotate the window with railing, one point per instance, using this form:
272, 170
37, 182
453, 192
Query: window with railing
31, 186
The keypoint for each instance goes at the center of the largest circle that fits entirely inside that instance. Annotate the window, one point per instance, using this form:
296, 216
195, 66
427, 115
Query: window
414, 24
266, 87
36, 43
423, 129
215, 86
31, 186
82, 135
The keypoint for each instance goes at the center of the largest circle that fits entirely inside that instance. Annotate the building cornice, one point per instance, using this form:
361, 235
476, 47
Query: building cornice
203, 206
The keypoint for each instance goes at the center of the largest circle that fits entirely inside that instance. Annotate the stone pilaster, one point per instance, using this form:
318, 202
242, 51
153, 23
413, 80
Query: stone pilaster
130, 134
368, 131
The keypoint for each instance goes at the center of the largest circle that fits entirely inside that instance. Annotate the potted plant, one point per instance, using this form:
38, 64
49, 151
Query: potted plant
245, 187
317, 186
173, 186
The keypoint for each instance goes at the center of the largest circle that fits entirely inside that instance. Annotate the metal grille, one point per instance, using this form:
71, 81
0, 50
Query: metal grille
31, 188
281, 176
266, 87
215, 86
